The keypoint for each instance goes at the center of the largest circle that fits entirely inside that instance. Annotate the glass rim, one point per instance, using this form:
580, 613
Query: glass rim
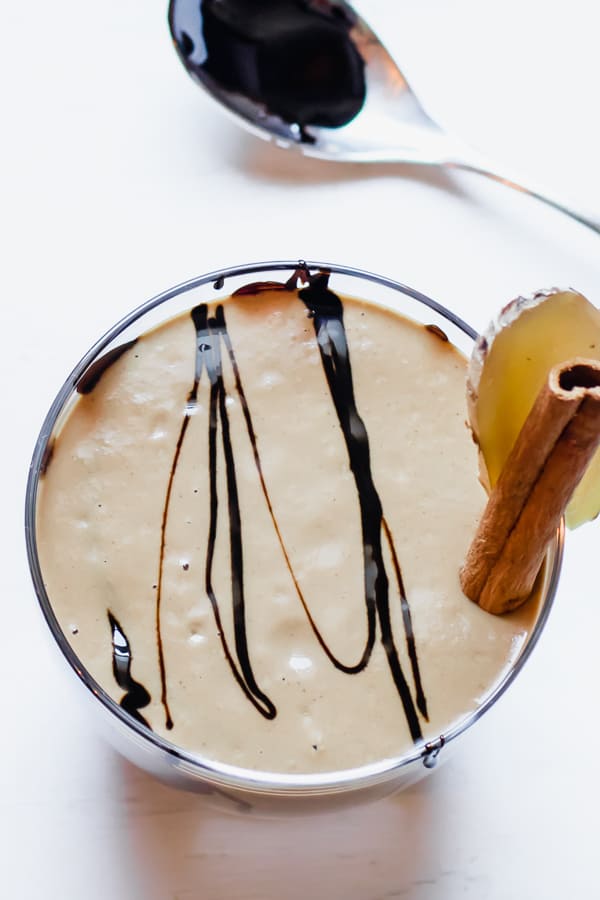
223, 774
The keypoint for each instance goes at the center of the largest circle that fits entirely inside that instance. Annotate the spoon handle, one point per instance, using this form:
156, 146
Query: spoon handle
472, 163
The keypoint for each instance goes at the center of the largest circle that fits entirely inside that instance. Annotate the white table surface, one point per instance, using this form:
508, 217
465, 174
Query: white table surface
119, 179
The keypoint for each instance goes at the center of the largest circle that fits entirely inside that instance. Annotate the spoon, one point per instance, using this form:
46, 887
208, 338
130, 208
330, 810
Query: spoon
312, 75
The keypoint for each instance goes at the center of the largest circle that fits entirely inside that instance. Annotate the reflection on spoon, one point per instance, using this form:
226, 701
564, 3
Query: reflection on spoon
312, 75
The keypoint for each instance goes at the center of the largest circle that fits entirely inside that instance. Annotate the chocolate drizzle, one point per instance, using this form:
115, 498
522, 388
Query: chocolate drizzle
136, 696
411, 644
218, 415
94, 373
213, 342
209, 332
259, 288
326, 311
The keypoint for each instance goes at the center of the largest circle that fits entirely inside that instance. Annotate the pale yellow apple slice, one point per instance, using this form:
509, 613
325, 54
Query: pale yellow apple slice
511, 361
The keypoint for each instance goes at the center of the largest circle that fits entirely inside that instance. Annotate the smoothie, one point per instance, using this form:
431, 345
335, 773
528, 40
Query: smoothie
251, 524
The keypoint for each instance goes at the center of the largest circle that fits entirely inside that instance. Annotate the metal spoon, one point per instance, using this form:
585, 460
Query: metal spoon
376, 115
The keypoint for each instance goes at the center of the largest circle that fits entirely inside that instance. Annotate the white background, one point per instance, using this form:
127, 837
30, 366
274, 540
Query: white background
119, 179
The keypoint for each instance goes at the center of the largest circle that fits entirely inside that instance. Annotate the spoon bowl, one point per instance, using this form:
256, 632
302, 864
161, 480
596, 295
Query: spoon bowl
314, 77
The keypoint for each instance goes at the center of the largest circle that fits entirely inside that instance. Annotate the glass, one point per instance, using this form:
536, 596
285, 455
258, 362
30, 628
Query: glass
238, 788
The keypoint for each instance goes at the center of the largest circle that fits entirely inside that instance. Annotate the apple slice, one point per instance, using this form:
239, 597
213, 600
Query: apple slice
509, 364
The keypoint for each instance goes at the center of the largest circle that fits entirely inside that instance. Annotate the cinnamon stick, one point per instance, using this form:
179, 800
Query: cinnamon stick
525, 507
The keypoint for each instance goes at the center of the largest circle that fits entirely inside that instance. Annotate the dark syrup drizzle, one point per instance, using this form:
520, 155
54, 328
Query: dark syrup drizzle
136, 696
94, 373
295, 58
218, 413
209, 332
259, 288
326, 311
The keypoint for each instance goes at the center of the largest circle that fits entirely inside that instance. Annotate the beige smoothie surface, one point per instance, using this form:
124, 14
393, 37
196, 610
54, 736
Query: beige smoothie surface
251, 527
